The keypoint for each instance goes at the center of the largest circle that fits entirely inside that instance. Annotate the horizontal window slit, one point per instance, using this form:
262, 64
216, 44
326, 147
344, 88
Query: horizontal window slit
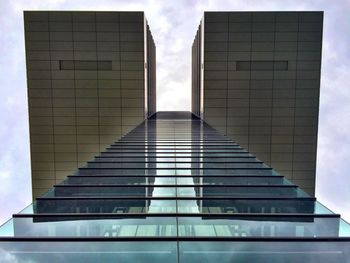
85, 65
261, 65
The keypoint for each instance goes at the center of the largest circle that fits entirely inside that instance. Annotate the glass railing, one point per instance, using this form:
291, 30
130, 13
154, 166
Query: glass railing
178, 171
169, 180
94, 225
83, 251
189, 205
278, 251
262, 191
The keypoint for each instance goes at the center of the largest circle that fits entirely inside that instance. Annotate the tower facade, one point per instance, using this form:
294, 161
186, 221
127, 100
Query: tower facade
256, 78
173, 189
91, 79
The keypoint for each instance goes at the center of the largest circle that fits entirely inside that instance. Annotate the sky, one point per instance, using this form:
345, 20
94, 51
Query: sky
173, 25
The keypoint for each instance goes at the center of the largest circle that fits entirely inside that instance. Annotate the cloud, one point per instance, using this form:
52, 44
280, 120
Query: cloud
173, 27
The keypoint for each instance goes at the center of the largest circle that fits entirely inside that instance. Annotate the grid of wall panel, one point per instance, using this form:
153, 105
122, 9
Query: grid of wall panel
261, 85
86, 87
174, 189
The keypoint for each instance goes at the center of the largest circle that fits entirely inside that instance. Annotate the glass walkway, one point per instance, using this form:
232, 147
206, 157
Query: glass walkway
175, 190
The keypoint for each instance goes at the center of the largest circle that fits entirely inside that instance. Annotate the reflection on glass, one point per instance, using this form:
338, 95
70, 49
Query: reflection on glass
169, 179
93, 251
97, 226
267, 251
292, 226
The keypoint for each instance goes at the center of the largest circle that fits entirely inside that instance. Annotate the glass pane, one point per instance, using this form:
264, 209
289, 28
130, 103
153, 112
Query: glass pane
86, 252
260, 226
241, 205
267, 251
93, 226
243, 191
104, 205
100, 190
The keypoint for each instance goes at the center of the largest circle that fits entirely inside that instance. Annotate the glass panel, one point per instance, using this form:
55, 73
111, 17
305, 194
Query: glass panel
6, 229
137, 191
233, 165
344, 228
86, 252
224, 172
321, 209
91, 205
241, 191
260, 226
277, 205
129, 171
98, 191
118, 180
27, 210
267, 251
94, 226
235, 180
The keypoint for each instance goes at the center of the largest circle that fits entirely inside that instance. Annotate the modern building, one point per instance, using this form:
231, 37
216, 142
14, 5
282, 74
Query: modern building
174, 189
256, 78
91, 79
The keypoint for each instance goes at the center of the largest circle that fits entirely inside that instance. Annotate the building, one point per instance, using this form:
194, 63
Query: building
175, 189
256, 78
91, 79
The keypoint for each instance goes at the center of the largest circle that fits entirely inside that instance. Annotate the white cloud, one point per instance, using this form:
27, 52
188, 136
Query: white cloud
173, 25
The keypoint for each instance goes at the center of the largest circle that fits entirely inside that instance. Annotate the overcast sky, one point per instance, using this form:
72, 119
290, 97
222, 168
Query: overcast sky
173, 25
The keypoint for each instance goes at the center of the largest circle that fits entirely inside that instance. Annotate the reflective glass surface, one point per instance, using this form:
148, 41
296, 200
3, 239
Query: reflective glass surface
87, 251
264, 251
94, 226
175, 190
